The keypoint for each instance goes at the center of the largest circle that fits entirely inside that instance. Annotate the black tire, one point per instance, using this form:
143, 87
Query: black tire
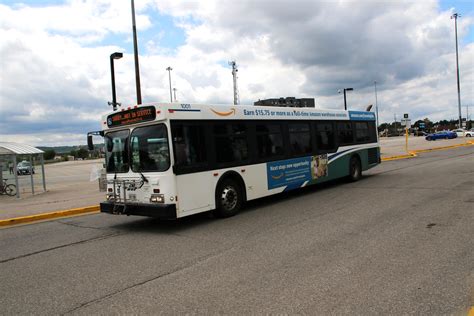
355, 169
229, 198
468, 135
10, 190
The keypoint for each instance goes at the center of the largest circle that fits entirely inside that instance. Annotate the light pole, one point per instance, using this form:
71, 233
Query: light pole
112, 72
135, 52
174, 91
376, 105
455, 17
169, 74
345, 102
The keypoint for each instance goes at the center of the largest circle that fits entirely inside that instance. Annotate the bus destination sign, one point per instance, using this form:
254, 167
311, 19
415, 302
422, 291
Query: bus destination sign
132, 116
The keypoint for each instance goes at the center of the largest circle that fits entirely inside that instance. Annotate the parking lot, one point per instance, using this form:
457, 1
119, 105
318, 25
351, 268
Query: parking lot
69, 185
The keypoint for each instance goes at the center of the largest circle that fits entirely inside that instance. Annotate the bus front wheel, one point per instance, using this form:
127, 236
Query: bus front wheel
355, 169
229, 198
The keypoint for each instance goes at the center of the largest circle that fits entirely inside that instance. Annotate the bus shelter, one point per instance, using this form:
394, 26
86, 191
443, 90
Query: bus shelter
9, 153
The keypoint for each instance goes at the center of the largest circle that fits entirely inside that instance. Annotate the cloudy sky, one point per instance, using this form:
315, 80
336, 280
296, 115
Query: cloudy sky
55, 70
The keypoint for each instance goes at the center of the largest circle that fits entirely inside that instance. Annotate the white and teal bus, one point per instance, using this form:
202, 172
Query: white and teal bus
170, 160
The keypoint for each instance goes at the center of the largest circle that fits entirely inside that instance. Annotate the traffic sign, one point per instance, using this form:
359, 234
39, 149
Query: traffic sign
406, 122
405, 115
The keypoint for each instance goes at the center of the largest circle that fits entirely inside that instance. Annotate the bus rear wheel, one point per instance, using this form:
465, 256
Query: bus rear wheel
355, 169
229, 198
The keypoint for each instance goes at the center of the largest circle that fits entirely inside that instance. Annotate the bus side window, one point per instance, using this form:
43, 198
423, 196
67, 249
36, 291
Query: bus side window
325, 137
362, 132
345, 134
269, 140
231, 142
189, 145
300, 139
372, 132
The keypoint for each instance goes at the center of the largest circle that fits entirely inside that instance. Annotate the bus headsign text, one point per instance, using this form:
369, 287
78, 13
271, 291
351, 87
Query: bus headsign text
132, 116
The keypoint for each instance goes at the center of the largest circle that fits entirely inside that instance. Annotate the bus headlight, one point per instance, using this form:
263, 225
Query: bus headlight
157, 198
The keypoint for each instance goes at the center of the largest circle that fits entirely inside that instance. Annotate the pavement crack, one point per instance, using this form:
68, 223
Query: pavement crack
162, 275
61, 246
81, 226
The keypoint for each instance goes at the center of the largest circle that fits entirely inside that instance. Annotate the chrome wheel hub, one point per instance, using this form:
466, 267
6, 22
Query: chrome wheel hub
229, 198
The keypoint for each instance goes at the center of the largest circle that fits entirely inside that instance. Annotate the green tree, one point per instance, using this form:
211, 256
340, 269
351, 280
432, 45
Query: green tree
82, 153
73, 153
49, 154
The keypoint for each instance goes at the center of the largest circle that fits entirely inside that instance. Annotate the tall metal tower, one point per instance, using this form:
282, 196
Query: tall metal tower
169, 75
234, 75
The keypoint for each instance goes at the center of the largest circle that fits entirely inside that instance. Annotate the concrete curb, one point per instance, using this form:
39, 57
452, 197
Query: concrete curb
46, 216
410, 155
413, 153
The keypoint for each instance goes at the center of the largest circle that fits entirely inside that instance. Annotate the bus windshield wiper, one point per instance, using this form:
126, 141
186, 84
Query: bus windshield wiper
143, 177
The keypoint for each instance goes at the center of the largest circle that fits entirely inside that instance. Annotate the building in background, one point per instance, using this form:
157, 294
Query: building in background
288, 102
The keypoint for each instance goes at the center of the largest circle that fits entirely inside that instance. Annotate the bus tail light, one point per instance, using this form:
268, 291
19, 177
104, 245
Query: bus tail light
156, 190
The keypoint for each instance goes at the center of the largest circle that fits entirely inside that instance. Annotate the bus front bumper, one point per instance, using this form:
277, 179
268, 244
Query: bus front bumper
162, 211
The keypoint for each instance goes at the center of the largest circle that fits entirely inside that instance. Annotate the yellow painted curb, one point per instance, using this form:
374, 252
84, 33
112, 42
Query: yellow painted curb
471, 312
410, 155
413, 153
44, 216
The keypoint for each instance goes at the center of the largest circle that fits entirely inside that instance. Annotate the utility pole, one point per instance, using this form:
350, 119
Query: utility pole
395, 118
169, 74
135, 51
234, 76
455, 17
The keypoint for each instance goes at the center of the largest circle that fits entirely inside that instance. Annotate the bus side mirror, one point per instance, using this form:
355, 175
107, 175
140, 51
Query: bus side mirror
90, 144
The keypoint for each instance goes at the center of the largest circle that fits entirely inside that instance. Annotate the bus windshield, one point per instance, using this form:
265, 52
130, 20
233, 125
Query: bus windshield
149, 149
116, 151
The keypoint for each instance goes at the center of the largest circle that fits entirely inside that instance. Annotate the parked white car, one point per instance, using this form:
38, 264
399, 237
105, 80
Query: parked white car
462, 132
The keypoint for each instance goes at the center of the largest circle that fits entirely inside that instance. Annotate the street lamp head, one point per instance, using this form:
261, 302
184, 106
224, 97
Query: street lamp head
116, 55
349, 89
169, 68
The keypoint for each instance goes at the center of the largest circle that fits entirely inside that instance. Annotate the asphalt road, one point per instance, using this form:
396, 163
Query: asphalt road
400, 241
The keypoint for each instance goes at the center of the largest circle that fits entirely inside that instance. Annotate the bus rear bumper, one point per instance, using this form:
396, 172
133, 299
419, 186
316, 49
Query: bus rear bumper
161, 211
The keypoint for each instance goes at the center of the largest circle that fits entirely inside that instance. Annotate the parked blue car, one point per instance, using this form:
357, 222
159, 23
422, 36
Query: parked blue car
441, 135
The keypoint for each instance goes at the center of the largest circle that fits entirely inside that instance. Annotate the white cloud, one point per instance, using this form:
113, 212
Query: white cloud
55, 77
